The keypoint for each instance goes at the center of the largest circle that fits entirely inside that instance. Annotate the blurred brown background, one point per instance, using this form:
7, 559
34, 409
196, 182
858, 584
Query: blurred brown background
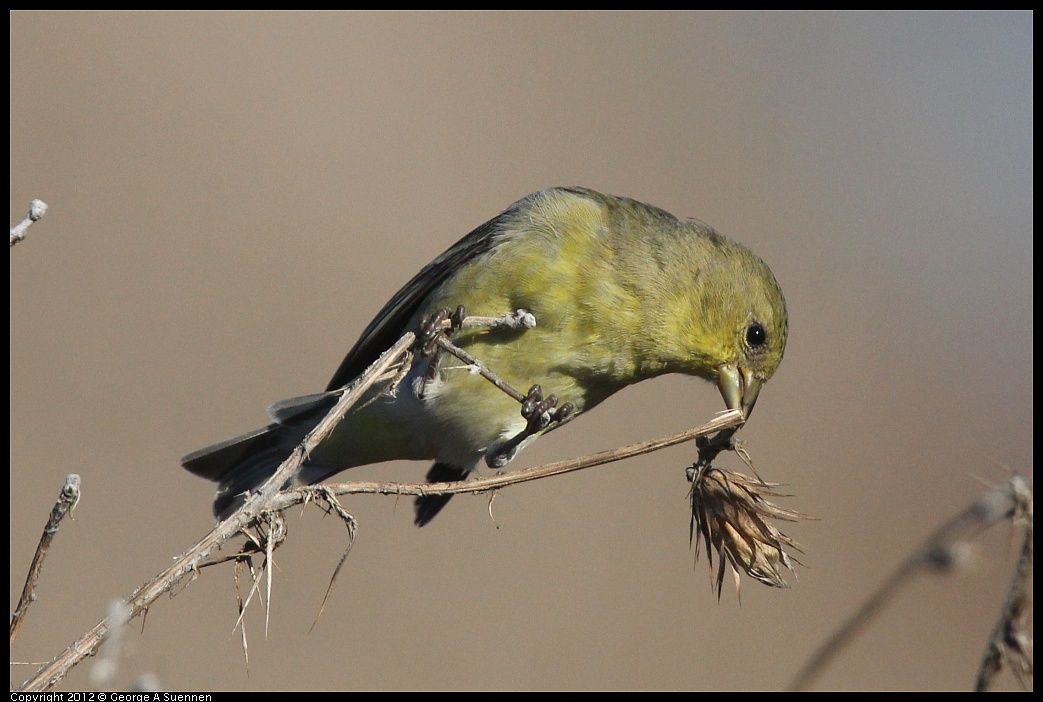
233, 196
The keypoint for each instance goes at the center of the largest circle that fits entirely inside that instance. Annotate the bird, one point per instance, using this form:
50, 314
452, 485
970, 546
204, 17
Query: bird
621, 291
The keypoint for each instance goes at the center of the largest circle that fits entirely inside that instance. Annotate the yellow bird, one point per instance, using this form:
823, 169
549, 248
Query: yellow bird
621, 291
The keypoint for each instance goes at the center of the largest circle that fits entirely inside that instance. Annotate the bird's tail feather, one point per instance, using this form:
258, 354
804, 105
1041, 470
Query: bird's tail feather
245, 462
241, 464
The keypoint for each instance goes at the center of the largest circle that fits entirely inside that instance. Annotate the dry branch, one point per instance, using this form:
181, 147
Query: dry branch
271, 498
67, 499
941, 551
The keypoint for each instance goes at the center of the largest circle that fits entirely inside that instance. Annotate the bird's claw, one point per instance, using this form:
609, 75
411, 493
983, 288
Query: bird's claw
539, 413
432, 327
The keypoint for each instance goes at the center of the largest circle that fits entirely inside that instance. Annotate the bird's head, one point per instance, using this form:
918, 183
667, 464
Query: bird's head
729, 319
752, 328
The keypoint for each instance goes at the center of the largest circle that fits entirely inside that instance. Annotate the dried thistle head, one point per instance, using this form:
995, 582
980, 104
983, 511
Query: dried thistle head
730, 514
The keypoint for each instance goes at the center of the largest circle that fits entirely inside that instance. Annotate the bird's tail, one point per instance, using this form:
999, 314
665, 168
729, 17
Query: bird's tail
242, 464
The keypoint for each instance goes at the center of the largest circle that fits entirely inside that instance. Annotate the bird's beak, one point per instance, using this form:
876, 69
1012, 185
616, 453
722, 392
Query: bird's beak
738, 387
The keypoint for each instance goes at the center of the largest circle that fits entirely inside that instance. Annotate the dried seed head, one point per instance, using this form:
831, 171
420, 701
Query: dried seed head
730, 514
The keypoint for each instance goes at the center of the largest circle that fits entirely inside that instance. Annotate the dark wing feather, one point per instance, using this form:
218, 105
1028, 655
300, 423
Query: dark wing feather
389, 324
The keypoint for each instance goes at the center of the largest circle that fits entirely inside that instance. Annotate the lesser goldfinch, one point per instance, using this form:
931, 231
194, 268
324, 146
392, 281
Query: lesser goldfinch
621, 291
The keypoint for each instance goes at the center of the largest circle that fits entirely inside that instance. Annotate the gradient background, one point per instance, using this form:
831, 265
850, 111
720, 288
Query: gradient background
233, 196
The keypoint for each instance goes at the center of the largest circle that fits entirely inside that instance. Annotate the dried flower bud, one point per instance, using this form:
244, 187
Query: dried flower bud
730, 514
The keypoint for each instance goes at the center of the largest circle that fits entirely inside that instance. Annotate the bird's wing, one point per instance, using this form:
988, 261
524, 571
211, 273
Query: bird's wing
389, 324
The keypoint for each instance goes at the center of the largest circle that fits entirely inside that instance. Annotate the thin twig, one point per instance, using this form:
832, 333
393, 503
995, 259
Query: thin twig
435, 326
941, 551
37, 209
269, 497
483, 371
519, 319
68, 498
300, 494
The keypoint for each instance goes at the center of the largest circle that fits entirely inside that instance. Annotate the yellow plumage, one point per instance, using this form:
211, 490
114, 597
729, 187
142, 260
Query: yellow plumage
621, 292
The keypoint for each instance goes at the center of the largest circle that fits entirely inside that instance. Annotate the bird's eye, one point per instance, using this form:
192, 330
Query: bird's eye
756, 335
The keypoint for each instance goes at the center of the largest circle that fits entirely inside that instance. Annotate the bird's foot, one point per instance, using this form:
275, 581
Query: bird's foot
539, 413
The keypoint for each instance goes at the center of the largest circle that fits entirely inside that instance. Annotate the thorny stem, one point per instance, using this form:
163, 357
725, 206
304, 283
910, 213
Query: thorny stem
264, 499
